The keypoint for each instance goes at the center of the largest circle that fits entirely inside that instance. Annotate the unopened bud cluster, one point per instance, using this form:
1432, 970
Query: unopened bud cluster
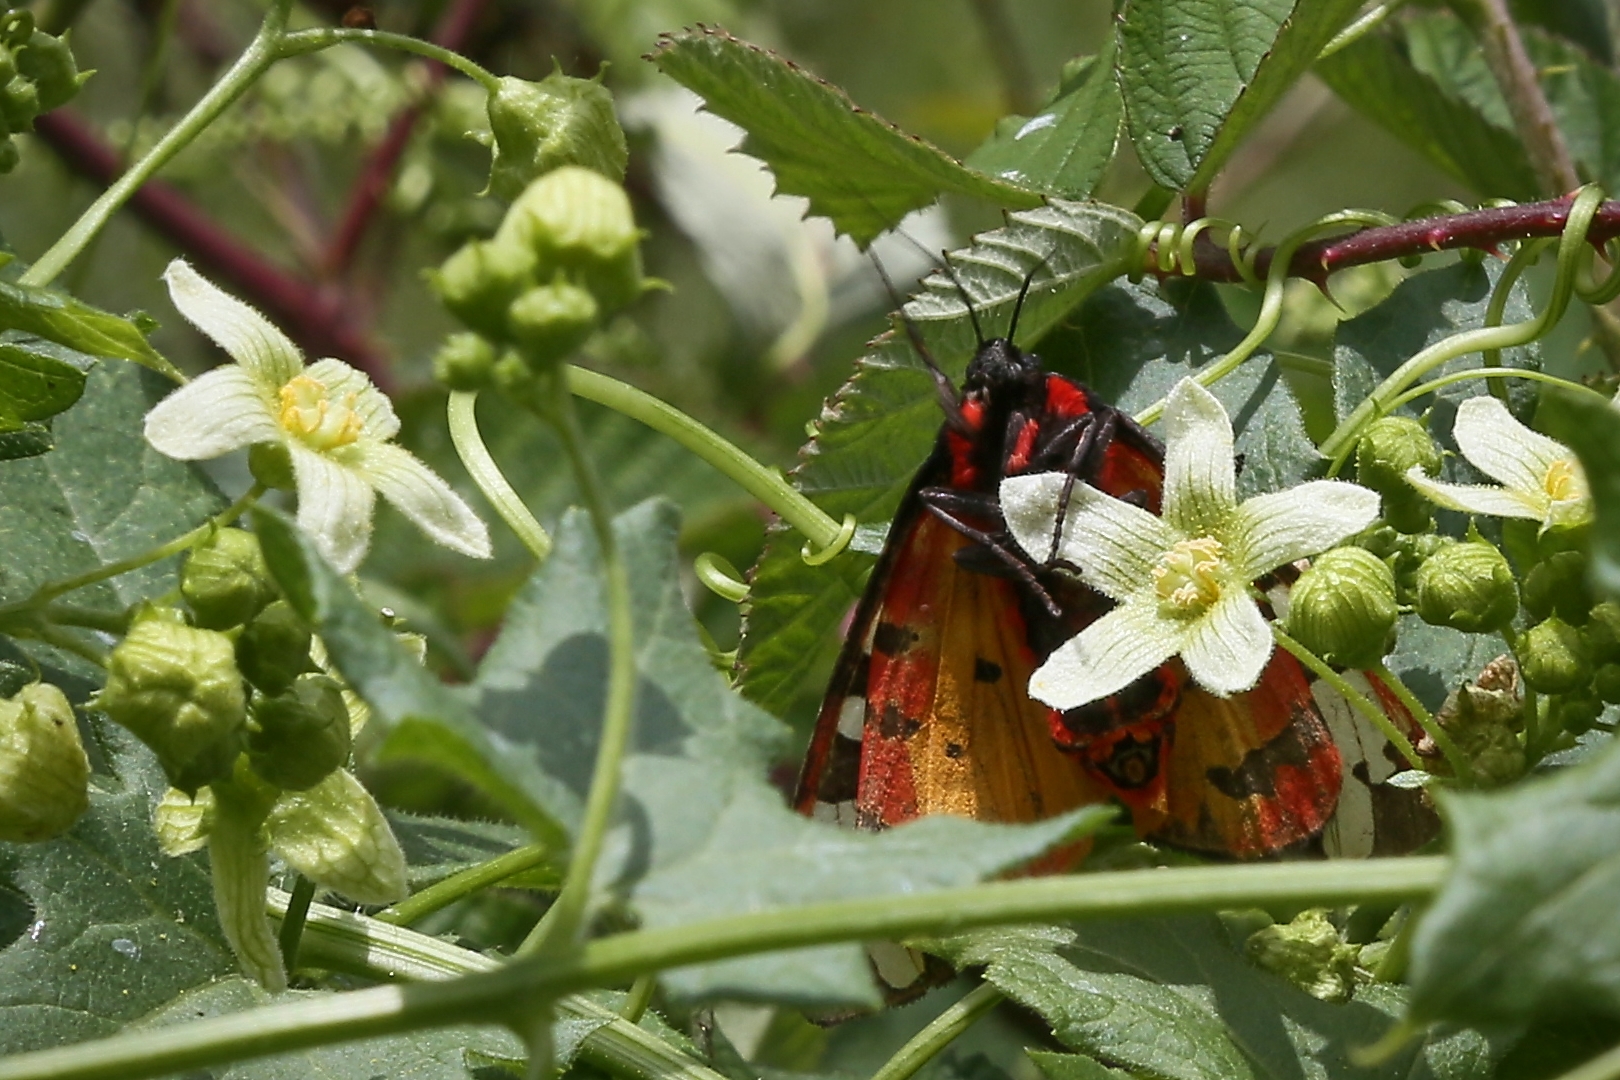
37, 73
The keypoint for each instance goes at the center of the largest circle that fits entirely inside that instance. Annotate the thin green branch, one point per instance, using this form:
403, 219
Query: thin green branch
1358, 701
940, 1033
292, 922
1461, 766
462, 413
255, 59
1439, 382
300, 42
474, 879
488, 997
762, 482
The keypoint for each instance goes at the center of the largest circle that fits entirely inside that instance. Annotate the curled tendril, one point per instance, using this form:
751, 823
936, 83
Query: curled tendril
1168, 247
812, 557
720, 577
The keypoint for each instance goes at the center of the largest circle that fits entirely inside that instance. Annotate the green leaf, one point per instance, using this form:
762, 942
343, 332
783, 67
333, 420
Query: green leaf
1197, 75
60, 318
1595, 437
1434, 660
437, 847
881, 425
1583, 22
1176, 999
29, 440
858, 170
1525, 925
422, 717
434, 1054
1065, 148
117, 928
1073, 1067
1377, 78
38, 381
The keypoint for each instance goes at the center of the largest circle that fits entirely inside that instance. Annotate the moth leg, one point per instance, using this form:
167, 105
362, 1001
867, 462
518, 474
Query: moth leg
1019, 566
1093, 441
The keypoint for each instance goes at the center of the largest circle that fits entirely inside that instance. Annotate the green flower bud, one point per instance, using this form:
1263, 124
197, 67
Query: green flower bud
226, 581
1482, 718
19, 103
44, 774
48, 63
178, 690
480, 280
182, 822
1467, 586
543, 126
273, 649
271, 465
1308, 953
1606, 683
1343, 608
1553, 657
10, 156
579, 222
551, 321
1557, 586
302, 735
465, 362
336, 835
1576, 713
1602, 632
1385, 453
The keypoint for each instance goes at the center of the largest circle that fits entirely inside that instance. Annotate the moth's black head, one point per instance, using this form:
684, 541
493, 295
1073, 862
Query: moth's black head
999, 363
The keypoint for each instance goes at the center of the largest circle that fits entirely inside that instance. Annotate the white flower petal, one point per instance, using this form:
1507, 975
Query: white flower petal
1502, 448
418, 493
217, 412
1568, 513
334, 506
1114, 544
250, 339
1200, 478
1274, 529
376, 412
1478, 499
1108, 656
1227, 648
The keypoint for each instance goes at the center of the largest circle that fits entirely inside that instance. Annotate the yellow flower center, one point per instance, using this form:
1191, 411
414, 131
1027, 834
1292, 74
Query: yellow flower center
1188, 576
310, 414
1562, 481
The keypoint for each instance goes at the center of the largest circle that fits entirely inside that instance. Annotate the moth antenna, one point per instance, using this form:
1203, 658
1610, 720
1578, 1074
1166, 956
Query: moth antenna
961, 290
942, 383
1023, 292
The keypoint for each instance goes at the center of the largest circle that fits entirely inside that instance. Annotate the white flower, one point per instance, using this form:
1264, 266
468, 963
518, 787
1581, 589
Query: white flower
1182, 581
334, 424
1541, 479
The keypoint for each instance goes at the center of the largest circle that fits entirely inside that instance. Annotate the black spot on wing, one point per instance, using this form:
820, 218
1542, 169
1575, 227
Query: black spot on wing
841, 778
894, 724
986, 671
1254, 775
891, 639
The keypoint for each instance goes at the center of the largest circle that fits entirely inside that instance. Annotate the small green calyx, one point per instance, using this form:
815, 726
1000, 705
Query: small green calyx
579, 222
1308, 953
177, 688
37, 74
270, 464
480, 280
1577, 713
1468, 586
1483, 717
1553, 657
273, 649
1557, 586
542, 126
1387, 452
1343, 608
226, 581
44, 774
302, 735
550, 321
335, 834
465, 362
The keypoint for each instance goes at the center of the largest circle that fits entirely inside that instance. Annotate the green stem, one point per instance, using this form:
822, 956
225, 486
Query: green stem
1272, 303
1494, 373
1341, 443
489, 997
762, 482
241, 873
110, 622
563, 921
474, 879
300, 42
46, 593
1461, 767
940, 1033
469, 443
1360, 28
639, 997
1358, 701
261, 52
292, 921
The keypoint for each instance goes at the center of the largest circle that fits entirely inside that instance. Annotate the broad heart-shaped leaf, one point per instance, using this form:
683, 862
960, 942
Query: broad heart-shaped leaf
433, 1054
1376, 76
859, 171
1065, 148
1526, 923
751, 853
541, 686
117, 928
1595, 438
60, 318
879, 427
103, 495
423, 717
1198, 75
38, 379
1175, 999
1434, 660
